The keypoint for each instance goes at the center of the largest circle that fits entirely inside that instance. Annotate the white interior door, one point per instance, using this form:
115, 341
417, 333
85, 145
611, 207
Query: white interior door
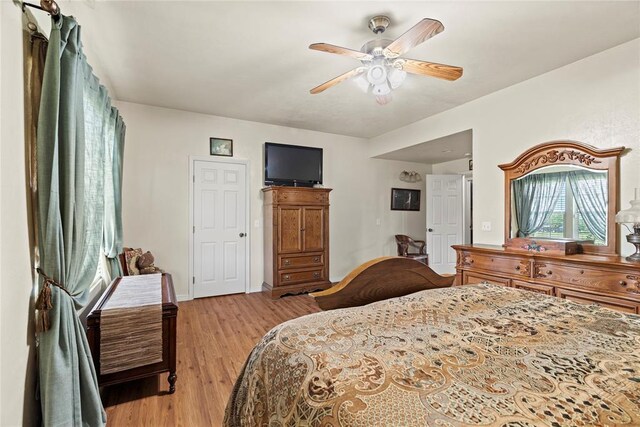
219, 233
444, 220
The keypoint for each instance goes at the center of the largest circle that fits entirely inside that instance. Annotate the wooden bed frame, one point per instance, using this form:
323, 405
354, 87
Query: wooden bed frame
380, 279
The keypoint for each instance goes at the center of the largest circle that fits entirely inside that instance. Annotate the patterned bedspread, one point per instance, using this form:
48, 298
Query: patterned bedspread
470, 355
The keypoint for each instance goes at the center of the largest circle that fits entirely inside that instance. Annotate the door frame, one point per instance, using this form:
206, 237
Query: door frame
467, 208
191, 177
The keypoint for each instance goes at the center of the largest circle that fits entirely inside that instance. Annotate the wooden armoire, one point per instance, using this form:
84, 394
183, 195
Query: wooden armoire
296, 240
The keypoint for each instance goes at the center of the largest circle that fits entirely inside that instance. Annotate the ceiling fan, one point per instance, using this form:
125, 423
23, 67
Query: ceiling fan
382, 68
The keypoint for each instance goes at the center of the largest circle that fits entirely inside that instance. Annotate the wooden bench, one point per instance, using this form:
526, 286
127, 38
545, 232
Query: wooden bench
169, 321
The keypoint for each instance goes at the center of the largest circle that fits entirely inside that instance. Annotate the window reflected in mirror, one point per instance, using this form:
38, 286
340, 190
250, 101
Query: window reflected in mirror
561, 202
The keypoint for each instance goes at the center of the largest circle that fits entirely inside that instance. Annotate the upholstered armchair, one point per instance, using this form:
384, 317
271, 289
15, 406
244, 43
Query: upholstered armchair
405, 243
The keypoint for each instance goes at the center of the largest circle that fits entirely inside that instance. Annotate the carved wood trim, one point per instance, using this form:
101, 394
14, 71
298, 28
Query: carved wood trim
634, 286
539, 271
463, 260
561, 152
523, 268
554, 156
569, 153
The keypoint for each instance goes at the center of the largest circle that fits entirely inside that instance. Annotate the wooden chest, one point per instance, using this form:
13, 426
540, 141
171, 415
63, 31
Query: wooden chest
169, 320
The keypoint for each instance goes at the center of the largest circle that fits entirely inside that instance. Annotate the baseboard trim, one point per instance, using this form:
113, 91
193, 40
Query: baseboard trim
183, 297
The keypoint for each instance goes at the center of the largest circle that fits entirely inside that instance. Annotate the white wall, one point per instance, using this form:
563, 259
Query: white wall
156, 184
595, 100
458, 166
17, 363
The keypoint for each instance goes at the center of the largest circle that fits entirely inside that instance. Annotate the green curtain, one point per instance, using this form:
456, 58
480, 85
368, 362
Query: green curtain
73, 127
535, 196
112, 238
590, 193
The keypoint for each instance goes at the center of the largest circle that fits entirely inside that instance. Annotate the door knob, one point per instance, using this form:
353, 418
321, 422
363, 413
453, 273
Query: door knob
430, 230
243, 234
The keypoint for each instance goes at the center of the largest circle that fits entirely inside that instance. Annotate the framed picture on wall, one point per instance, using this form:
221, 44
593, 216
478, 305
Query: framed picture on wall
221, 147
403, 199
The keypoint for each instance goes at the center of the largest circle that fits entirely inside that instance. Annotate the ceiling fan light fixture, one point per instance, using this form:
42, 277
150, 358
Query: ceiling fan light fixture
377, 74
362, 83
396, 77
381, 89
383, 69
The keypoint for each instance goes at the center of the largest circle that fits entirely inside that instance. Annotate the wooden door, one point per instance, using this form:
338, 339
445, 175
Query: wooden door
444, 221
290, 233
313, 226
219, 221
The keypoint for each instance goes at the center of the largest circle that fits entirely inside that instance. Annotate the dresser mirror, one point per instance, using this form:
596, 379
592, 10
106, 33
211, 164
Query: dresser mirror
564, 190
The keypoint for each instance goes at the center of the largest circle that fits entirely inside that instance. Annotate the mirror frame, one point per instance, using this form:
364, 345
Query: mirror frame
569, 153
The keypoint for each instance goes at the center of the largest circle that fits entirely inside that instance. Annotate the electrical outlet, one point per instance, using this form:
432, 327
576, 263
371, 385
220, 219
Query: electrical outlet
486, 226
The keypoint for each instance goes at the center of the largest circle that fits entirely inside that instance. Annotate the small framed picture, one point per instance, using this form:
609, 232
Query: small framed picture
403, 199
221, 147
470, 164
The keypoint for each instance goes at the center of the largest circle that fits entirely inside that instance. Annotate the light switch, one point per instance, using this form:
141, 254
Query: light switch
486, 226
377, 221
256, 223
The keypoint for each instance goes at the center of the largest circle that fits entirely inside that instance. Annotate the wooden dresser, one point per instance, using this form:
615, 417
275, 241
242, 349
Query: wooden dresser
169, 326
296, 240
609, 281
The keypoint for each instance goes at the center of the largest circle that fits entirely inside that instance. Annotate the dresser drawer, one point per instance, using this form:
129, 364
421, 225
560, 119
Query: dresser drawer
498, 264
286, 262
533, 287
588, 278
601, 300
475, 278
288, 278
303, 197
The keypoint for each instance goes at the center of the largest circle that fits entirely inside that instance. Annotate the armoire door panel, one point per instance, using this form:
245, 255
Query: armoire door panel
290, 223
313, 225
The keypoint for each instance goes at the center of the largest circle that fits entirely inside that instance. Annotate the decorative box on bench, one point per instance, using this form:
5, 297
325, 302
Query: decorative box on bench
547, 246
155, 339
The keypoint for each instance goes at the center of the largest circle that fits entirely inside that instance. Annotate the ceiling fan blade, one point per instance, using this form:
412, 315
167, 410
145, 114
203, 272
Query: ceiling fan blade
441, 71
420, 32
338, 50
342, 77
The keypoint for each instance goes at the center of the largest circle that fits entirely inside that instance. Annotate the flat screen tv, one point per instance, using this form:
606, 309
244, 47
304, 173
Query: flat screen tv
292, 165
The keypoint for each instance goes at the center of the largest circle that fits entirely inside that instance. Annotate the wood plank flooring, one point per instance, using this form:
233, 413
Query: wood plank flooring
215, 336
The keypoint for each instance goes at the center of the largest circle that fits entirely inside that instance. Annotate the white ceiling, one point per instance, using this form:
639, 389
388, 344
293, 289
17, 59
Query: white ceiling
250, 60
451, 147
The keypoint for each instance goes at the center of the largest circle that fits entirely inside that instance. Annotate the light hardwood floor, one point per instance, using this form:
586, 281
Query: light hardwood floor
215, 336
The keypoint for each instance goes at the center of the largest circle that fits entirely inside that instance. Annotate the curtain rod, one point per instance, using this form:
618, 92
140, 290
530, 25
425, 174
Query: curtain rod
49, 6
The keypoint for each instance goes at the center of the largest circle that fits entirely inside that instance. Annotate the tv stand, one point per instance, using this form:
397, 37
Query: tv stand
296, 240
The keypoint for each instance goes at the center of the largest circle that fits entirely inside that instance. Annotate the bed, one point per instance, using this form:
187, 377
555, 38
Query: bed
444, 356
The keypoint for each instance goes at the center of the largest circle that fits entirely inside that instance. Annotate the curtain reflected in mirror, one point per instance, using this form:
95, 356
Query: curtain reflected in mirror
561, 202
